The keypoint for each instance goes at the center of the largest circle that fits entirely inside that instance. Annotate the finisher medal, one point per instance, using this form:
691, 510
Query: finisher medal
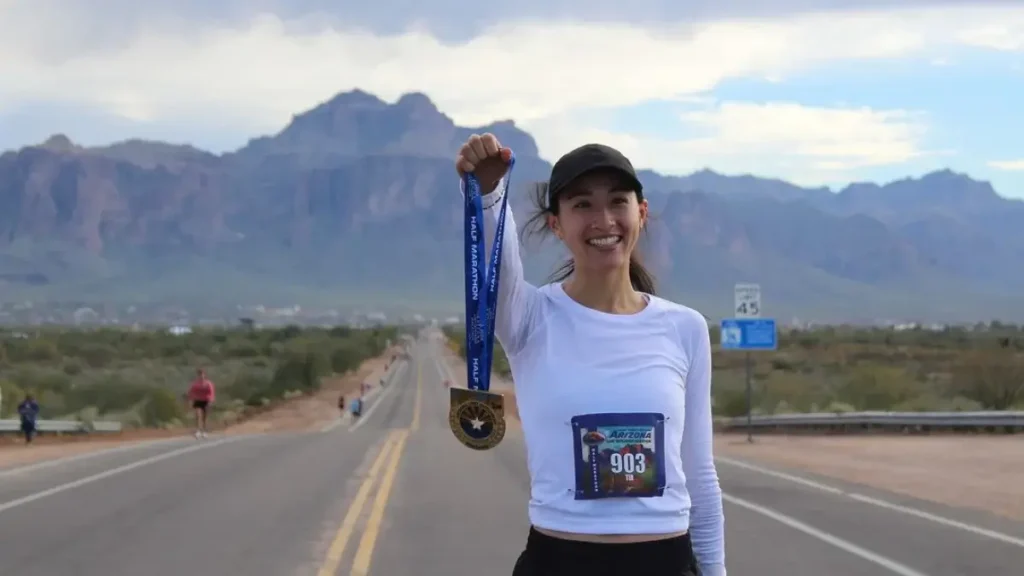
476, 415
477, 418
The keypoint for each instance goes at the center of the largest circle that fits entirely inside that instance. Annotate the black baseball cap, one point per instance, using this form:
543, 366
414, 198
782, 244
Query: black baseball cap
588, 158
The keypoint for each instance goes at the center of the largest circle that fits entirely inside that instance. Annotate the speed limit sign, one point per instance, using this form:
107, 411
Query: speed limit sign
747, 299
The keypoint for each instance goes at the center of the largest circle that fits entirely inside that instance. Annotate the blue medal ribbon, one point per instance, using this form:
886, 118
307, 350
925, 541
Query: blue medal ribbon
481, 281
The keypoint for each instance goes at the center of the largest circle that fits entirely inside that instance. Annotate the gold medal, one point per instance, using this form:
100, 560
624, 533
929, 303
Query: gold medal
477, 418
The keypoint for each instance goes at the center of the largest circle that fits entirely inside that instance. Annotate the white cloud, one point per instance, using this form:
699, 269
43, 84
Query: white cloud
270, 69
1005, 36
812, 145
540, 73
854, 137
1008, 165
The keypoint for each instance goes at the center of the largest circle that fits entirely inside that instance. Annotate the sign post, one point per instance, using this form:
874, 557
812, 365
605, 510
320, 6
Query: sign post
747, 331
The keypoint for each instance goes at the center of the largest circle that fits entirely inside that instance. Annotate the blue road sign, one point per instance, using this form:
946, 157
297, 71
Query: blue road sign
748, 334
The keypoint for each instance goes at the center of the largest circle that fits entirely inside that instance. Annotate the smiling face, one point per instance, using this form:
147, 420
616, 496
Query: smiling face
599, 219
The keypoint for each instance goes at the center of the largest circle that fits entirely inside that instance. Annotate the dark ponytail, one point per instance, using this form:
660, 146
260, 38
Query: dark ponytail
639, 276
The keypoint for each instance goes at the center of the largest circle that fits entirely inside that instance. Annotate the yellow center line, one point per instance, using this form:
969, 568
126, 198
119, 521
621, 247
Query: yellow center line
330, 566
364, 553
419, 391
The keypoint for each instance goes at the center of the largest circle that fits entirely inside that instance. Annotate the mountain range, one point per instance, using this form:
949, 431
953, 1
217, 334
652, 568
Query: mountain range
355, 204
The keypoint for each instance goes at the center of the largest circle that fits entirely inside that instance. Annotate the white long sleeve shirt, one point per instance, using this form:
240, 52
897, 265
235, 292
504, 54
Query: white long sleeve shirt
568, 360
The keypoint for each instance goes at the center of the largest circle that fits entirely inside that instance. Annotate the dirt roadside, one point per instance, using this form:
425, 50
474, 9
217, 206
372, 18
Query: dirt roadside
979, 472
305, 413
310, 413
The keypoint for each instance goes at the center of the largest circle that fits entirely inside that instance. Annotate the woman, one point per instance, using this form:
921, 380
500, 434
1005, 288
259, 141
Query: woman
202, 394
613, 384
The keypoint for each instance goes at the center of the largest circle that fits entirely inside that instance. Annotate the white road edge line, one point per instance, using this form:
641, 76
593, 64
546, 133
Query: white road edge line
845, 545
201, 445
941, 520
780, 475
978, 530
380, 399
443, 369
126, 447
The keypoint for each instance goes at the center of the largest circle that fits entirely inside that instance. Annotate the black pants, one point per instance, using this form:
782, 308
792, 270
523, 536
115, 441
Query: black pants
548, 556
28, 428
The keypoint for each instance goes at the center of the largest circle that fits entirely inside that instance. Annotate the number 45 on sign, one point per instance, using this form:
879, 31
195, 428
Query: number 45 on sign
747, 298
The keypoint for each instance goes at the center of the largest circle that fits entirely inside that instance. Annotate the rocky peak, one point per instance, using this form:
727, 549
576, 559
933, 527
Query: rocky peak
60, 143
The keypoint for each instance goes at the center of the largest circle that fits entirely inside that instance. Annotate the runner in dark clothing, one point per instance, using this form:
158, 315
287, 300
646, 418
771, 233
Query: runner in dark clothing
28, 410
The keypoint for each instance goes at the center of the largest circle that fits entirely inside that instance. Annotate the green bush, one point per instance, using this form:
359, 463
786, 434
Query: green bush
161, 406
140, 377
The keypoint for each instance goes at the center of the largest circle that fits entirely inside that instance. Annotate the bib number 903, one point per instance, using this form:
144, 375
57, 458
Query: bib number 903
627, 463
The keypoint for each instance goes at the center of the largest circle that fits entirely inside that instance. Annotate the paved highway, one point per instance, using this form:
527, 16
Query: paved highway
396, 495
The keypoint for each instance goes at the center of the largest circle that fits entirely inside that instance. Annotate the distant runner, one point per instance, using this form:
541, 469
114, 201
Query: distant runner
202, 394
28, 410
357, 407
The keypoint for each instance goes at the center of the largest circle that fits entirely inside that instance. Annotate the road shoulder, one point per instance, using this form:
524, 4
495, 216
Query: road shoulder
978, 472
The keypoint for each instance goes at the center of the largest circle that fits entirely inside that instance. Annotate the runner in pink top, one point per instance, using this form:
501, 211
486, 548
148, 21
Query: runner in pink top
202, 394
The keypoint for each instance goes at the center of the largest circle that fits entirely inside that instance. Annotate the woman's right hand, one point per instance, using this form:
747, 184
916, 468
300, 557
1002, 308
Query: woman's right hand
485, 158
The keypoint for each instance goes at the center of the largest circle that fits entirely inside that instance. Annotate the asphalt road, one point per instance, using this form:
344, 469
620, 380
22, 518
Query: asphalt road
396, 495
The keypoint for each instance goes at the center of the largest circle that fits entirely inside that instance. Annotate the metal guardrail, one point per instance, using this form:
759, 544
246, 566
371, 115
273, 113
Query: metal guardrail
996, 421
62, 426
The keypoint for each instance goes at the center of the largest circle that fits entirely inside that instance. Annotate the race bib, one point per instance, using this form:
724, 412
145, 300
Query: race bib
619, 455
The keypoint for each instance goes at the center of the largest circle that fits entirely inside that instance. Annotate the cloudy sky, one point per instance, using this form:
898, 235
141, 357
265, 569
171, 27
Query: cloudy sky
813, 91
